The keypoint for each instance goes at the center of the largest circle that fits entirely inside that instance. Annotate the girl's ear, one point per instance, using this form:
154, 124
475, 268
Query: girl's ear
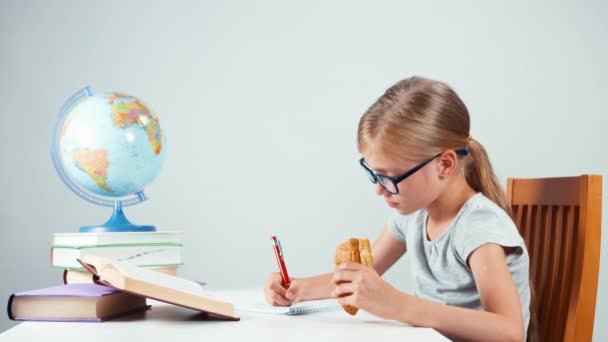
448, 161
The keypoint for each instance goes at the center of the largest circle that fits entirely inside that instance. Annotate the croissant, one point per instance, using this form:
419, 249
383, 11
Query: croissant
355, 250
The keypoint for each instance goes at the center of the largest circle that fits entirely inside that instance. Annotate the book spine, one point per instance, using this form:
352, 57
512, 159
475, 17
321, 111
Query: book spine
9, 307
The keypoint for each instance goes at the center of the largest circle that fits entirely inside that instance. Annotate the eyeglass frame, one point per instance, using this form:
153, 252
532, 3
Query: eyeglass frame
397, 180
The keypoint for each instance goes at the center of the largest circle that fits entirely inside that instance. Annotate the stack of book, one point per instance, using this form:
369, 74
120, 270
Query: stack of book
120, 288
82, 297
158, 250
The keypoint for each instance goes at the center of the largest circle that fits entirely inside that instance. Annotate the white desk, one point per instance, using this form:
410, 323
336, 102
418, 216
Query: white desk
168, 323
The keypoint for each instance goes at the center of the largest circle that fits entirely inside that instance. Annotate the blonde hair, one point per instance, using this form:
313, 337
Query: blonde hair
420, 118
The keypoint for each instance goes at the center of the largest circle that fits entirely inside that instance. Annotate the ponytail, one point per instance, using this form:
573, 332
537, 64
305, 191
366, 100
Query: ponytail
480, 176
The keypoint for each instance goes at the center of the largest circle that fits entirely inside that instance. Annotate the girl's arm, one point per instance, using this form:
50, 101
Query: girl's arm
386, 251
501, 320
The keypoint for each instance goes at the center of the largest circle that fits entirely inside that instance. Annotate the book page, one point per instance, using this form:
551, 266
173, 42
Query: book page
158, 278
163, 287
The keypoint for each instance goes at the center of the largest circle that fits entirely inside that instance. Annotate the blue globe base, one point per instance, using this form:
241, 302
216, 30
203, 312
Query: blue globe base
117, 223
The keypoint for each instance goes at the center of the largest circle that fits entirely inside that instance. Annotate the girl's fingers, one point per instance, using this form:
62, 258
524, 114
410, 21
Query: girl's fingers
343, 275
344, 289
278, 288
274, 285
278, 300
293, 291
349, 265
275, 292
347, 300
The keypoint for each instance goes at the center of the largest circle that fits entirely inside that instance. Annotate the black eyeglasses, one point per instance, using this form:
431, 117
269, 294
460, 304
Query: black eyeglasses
390, 184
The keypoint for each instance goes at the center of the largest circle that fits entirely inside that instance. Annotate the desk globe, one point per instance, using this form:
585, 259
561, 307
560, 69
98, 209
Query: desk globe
106, 148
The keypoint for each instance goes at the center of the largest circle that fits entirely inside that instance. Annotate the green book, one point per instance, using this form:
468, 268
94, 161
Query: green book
116, 238
145, 254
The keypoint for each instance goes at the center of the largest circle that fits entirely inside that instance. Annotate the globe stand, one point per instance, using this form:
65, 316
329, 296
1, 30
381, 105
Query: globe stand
117, 223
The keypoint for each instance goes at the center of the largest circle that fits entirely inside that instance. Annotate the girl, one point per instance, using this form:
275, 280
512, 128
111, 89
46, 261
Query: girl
468, 260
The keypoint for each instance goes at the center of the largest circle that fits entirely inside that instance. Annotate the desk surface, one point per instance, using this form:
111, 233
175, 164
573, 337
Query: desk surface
165, 322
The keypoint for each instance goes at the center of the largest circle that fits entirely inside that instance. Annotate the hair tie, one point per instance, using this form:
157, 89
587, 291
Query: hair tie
469, 138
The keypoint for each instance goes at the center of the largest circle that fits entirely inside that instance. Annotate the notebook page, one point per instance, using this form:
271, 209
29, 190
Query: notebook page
314, 306
296, 309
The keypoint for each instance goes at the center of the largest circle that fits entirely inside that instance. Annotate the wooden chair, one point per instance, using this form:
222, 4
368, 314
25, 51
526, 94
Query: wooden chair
560, 220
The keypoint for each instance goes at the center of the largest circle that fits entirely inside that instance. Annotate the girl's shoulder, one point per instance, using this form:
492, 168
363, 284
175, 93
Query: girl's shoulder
482, 219
479, 207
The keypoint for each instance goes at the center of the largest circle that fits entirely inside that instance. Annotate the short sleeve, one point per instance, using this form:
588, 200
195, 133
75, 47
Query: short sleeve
397, 226
485, 226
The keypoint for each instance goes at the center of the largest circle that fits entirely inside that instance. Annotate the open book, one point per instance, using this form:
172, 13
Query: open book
155, 285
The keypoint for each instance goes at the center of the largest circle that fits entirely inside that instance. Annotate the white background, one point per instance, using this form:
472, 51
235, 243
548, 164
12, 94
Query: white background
260, 102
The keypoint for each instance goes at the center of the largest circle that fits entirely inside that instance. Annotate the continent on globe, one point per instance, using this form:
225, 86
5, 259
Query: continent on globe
130, 111
94, 163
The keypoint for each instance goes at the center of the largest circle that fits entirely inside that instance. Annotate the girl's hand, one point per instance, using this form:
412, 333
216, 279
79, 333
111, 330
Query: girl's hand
299, 290
361, 286
275, 292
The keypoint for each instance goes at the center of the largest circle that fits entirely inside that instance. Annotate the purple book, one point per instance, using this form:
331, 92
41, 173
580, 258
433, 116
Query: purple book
73, 303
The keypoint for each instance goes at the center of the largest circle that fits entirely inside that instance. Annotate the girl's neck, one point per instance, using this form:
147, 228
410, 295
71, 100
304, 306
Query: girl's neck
445, 208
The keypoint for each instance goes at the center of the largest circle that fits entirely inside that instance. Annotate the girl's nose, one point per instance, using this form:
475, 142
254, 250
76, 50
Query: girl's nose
379, 189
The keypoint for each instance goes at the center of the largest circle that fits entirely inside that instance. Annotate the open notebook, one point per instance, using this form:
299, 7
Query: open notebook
296, 309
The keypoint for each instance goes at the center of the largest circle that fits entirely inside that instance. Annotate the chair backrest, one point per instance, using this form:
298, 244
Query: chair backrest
560, 220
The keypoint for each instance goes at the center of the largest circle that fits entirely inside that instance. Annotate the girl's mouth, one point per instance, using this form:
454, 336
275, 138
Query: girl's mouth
393, 204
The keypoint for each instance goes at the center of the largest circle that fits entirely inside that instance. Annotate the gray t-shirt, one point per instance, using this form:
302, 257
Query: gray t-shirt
439, 267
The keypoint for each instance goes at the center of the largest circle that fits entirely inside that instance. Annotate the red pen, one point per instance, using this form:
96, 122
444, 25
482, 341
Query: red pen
278, 252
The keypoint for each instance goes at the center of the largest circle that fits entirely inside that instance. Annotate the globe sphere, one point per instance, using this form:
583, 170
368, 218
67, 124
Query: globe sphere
111, 144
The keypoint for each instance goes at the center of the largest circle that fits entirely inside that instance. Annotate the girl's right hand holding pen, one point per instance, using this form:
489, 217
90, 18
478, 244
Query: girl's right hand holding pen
317, 287
274, 291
